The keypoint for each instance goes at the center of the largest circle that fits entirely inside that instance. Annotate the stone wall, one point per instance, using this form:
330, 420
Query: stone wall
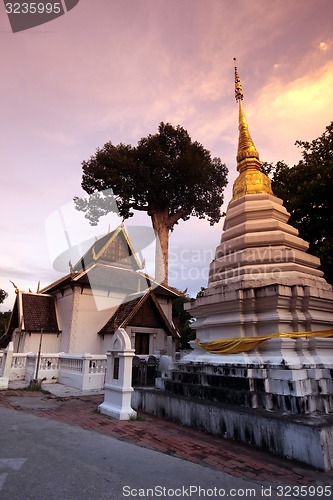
308, 439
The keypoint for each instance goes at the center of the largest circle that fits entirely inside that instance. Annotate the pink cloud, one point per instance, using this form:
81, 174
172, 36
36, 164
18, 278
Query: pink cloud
114, 70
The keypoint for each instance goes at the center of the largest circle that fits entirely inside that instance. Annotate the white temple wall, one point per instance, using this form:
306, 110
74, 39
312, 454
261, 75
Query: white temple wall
87, 320
64, 305
29, 342
166, 306
18, 341
81, 314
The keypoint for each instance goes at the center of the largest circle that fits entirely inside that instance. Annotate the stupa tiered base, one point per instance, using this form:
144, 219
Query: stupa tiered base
284, 374
262, 280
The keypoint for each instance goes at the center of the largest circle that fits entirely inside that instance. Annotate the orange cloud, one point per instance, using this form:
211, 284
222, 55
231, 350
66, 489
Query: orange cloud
285, 112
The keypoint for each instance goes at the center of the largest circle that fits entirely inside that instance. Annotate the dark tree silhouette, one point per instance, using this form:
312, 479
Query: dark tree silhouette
166, 175
307, 192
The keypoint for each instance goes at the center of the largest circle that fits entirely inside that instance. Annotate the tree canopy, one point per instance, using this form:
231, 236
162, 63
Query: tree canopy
307, 192
4, 317
166, 175
4, 320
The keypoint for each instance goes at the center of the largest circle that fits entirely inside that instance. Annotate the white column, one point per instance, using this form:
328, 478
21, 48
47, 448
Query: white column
6, 366
118, 386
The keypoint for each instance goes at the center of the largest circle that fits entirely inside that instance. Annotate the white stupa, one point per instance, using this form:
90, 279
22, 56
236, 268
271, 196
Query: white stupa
261, 369
267, 311
261, 281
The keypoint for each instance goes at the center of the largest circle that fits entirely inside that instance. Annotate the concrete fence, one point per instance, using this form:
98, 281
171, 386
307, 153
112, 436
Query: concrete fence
86, 371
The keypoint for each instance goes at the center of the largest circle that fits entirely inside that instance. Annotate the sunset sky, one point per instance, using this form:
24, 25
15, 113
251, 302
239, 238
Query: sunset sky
113, 70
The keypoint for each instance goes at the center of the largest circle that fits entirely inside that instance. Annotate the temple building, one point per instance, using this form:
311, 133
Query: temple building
105, 290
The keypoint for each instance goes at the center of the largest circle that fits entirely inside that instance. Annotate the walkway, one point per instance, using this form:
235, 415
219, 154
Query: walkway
166, 437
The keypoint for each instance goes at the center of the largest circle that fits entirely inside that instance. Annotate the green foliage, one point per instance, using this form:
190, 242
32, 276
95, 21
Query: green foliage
136, 417
182, 320
200, 293
4, 320
35, 386
3, 295
307, 192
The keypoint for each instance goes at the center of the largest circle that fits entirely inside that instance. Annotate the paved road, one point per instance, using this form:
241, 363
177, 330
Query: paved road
41, 458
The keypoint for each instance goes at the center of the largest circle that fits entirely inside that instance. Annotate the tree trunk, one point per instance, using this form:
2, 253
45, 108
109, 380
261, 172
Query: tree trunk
161, 225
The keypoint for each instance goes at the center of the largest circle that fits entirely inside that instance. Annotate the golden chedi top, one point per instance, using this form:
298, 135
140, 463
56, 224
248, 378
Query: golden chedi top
251, 179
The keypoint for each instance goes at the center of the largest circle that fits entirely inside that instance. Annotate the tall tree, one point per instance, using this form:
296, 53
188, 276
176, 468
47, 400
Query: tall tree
166, 175
4, 320
307, 192
4, 317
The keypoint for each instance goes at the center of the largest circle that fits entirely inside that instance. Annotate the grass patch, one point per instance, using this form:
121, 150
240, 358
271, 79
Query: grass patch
35, 385
136, 417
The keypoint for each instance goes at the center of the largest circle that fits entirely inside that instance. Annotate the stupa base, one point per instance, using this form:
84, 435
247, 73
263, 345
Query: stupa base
290, 375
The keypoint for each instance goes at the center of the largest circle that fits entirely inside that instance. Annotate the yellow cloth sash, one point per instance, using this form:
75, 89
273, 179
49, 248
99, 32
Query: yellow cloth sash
245, 344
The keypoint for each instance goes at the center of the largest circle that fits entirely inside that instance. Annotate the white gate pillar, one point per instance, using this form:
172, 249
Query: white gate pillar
118, 385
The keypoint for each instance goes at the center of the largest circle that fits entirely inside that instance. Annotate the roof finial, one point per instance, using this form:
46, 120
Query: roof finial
16, 289
238, 86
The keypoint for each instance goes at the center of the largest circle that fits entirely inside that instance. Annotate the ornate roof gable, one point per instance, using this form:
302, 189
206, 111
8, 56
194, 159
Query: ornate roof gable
113, 248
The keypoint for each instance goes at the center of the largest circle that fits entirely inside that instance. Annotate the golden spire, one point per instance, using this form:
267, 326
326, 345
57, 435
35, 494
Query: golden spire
246, 147
250, 180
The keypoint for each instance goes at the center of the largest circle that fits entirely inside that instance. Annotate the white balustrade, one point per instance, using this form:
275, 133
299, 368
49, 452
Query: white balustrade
82, 372
98, 364
86, 371
19, 360
71, 363
18, 366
